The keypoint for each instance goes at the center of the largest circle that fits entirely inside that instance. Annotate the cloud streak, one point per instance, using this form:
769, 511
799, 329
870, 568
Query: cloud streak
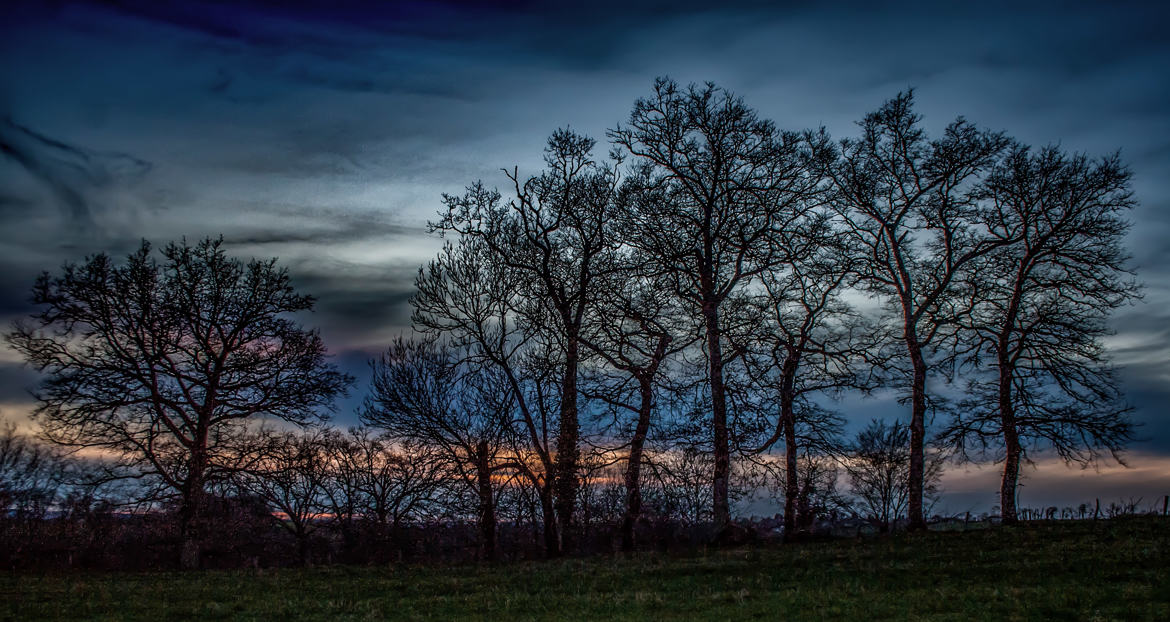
71, 173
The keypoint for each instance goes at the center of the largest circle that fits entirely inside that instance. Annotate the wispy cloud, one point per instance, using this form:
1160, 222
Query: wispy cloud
71, 173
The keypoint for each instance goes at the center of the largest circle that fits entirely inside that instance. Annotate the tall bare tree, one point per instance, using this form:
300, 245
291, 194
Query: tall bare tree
718, 185
808, 342
910, 206
160, 364
1041, 305
467, 297
555, 233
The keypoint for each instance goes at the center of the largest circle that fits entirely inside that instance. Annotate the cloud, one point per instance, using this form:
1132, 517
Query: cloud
70, 172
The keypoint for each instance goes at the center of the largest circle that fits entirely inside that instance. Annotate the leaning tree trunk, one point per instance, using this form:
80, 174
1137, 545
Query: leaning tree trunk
721, 507
487, 506
566, 483
1007, 410
634, 464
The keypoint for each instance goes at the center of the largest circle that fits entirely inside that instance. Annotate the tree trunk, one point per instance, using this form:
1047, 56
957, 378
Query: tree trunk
1007, 410
1011, 441
917, 477
565, 482
302, 548
788, 421
487, 507
721, 507
190, 511
634, 463
552, 539
189, 536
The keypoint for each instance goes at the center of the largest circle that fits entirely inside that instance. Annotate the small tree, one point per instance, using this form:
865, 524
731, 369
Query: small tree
809, 344
289, 473
430, 396
383, 484
631, 333
161, 364
32, 474
878, 465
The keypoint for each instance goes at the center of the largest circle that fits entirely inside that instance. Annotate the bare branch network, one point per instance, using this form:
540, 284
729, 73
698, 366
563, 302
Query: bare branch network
619, 345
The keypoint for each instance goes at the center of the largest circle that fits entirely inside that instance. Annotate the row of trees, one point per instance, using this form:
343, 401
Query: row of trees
707, 289
713, 240
326, 495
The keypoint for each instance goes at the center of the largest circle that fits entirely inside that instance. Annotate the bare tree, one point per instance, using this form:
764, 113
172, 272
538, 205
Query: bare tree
714, 187
161, 364
878, 465
817, 494
555, 234
383, 484
811, 343
32, 474
679, 485
289, 473
470, 299
910, 206
631, 332
1041, 304
433, 396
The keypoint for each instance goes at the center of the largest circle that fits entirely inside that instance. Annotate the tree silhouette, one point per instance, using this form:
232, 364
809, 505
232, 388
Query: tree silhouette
632, 331
160, 365
555, 234
909, 205
289, 473
469, 299
807, 342
715, 187
1040, 303
878, 464
431, 396
32, 474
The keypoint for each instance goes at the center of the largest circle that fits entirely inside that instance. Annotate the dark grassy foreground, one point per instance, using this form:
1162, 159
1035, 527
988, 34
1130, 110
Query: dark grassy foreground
1065, 571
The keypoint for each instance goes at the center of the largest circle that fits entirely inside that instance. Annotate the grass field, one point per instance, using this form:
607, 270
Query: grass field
1118, 570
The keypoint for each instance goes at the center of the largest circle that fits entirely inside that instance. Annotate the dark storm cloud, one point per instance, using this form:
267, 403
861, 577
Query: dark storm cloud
356, 304
335, 47
70, 172
15, 288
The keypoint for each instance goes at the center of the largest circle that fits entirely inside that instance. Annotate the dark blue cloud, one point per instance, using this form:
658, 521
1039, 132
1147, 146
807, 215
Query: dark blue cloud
70, 172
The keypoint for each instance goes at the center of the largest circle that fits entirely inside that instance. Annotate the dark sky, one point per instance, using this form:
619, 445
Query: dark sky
326, 137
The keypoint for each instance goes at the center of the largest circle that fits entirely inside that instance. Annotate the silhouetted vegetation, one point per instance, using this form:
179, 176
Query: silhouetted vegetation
616, 353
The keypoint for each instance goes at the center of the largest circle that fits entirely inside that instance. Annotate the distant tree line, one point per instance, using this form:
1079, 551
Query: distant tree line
613, 352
